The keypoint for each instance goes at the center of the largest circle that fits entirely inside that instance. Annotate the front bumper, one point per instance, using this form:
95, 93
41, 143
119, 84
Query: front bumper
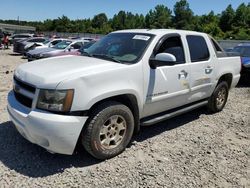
55, 133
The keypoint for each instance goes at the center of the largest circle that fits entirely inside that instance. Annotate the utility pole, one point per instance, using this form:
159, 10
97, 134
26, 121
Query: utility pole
18, 23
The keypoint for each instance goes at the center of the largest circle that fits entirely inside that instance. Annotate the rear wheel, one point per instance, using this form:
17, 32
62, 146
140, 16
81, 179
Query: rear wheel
109, 130
219, 97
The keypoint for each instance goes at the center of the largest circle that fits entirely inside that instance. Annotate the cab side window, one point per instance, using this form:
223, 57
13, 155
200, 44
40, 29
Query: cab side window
173, 45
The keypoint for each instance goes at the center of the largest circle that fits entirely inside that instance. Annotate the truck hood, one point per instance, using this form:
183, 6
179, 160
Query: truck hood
48, 73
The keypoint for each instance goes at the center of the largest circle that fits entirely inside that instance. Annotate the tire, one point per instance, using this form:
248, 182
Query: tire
219, 97
108, 131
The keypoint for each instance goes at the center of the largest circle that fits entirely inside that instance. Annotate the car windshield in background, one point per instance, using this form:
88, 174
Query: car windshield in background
120, 47
46, 41
244, 51
86, 46
62, 45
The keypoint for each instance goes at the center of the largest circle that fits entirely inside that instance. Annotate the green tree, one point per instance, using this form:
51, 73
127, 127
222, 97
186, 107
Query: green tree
118, 21
88, 26
227, 18
242, 17
160, 17
62, 24
99, 20
230, 24
130, 20
210, 24
183, 15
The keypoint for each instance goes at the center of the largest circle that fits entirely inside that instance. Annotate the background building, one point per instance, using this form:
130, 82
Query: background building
9, 28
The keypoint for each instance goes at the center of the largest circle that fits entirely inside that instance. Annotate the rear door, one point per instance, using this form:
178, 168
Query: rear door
202, 64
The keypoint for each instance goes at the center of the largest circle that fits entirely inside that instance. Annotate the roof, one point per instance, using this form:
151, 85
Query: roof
158, 31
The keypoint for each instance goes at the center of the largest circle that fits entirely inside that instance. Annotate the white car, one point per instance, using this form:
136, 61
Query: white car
126, 80
66, 47
46, 44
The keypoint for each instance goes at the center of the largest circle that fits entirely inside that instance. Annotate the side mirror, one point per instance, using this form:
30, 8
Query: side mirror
162, 59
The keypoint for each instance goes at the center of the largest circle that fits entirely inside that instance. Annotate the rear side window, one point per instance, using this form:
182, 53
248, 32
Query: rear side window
198, 48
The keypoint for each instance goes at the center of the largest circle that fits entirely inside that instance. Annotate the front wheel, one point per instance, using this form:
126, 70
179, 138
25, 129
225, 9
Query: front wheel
109, 130
219, 97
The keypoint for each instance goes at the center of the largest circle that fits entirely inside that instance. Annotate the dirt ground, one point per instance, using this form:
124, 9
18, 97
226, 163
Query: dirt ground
196, 149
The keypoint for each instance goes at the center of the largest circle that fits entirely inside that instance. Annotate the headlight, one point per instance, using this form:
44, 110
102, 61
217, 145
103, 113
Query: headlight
55, 100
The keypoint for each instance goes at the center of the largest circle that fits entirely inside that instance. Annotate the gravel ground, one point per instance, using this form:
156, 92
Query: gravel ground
193, 150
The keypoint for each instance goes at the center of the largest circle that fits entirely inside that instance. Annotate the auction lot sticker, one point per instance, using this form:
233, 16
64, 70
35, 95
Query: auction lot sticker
141, 37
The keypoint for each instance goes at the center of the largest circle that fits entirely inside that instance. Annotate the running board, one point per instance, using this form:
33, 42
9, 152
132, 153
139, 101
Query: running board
157, 119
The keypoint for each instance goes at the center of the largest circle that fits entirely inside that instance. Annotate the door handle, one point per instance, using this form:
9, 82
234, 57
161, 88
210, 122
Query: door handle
208, 70
182, 74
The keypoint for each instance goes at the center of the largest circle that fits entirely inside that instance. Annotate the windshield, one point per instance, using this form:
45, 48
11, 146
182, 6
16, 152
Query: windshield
120, 47
244, 51
62, 45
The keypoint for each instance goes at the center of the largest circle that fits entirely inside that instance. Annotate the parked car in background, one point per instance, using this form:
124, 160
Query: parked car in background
244, 51
87, 45
49, 43
88, 39
32, 45
228, 49
17, 37
82, 38
19, 45
67, 47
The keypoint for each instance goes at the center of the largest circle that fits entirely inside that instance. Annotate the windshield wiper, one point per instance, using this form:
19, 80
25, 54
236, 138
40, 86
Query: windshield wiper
106, 57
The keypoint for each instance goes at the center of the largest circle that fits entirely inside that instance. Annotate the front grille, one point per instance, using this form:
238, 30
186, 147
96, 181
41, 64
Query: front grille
23, 99
25, 86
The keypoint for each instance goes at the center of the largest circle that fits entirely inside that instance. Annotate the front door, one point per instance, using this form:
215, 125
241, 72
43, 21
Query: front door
168, 86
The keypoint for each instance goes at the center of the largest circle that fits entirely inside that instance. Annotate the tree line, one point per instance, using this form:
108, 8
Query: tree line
229, 24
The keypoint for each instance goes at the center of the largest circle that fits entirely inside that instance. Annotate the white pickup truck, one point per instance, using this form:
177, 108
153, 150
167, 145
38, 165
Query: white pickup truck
126, 80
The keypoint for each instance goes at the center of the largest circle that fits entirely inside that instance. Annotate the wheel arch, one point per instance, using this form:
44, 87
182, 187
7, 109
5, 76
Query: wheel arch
128, 100
227, 77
